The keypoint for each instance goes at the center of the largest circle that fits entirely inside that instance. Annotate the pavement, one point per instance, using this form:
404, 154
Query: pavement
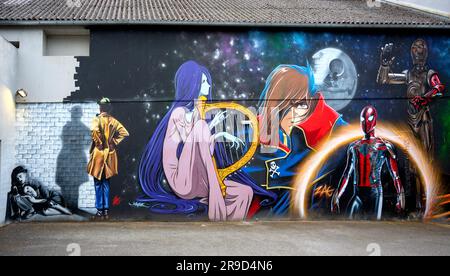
225, 239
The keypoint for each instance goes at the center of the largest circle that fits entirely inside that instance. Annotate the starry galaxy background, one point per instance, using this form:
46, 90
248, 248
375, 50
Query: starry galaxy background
135, 69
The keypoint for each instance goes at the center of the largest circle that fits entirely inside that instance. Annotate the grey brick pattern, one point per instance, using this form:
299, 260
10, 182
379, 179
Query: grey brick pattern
53, 141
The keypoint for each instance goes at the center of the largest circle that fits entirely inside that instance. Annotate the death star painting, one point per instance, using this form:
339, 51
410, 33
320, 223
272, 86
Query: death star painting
335, 75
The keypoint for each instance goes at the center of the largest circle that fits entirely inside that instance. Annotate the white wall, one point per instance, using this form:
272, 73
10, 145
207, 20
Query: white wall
8, 71
45, 78
439, 7
67, 45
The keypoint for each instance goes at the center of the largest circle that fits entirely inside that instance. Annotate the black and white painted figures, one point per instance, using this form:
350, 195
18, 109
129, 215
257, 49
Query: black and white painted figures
28, 197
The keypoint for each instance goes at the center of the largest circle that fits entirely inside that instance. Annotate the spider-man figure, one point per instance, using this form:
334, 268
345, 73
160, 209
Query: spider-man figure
365, 161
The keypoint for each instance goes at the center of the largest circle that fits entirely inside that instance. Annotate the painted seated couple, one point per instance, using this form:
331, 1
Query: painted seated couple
179, 168
28, 197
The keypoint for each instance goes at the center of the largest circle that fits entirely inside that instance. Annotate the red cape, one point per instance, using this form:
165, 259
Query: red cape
315, 128
319, 124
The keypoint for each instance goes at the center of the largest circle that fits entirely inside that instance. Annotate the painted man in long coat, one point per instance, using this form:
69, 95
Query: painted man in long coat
107, 133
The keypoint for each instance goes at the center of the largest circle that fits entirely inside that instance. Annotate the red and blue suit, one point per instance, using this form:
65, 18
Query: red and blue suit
274, 167
365, 161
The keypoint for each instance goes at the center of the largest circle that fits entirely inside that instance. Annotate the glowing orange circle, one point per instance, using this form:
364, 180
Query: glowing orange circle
401, 136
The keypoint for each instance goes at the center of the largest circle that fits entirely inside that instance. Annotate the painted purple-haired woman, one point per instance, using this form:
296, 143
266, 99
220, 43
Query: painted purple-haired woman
181, 151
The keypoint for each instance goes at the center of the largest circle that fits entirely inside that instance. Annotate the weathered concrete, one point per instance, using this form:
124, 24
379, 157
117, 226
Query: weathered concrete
256, 238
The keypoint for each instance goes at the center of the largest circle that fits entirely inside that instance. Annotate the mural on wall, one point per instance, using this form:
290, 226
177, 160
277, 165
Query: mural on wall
336, 76
106, 133
423, 86
28, 198
184, 153
365, 160
294, 119
259, 124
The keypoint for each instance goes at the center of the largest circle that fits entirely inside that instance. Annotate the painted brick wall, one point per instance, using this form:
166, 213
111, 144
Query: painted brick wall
53, 141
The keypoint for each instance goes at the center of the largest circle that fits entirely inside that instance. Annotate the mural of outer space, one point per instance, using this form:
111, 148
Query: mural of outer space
321, 84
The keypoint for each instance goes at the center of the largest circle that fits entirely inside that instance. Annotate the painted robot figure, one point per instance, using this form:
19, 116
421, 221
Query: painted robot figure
365, 161
423, 86
294, 119
177, 172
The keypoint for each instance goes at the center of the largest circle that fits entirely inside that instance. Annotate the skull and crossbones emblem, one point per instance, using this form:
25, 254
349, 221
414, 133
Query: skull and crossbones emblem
273, 170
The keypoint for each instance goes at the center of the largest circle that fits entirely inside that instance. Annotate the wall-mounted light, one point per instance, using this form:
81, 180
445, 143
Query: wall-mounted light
21, 93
